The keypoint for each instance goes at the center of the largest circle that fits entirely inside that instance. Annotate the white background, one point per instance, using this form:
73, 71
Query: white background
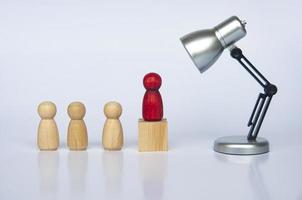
97, 51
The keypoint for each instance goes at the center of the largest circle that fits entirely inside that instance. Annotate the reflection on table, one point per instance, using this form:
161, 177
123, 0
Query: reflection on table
48, 163
77, 168
113, 171
153, 170
255, 176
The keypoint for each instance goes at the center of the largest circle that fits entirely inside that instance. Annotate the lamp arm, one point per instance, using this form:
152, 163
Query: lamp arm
264, 99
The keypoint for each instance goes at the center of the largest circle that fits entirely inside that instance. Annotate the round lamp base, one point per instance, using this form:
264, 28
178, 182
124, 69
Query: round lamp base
240, 145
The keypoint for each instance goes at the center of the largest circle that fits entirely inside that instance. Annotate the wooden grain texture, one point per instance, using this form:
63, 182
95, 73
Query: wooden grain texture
48, 134
77, 137
152, 136
112, 137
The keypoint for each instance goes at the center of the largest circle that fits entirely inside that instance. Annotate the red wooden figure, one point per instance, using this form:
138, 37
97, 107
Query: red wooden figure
152, 102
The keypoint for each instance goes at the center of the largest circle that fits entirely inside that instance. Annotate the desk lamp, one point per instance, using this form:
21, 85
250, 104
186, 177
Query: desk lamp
204, 47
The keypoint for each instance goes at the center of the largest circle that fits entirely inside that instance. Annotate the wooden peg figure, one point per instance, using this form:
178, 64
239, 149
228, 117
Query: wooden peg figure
48, 134
152, 129
152, 101
77, 138
112, 138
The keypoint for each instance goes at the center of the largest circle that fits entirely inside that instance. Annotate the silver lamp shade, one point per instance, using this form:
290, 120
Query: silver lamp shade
205, 46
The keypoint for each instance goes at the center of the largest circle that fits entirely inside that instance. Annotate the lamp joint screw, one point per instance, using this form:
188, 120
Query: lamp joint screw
236, 53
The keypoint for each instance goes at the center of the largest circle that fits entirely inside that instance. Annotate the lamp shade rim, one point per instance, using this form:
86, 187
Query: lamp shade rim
193, 60
203, 47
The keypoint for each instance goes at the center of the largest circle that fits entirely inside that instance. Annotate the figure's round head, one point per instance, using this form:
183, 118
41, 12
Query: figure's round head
152, 81
76, 110
112, 110
47, 110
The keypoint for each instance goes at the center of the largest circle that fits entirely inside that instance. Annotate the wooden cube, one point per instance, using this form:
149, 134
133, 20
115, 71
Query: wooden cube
152, 135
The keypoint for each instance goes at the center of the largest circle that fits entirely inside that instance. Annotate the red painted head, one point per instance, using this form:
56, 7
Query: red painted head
152, 81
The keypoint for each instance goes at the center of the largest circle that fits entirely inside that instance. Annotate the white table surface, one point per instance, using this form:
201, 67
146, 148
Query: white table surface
190, 170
